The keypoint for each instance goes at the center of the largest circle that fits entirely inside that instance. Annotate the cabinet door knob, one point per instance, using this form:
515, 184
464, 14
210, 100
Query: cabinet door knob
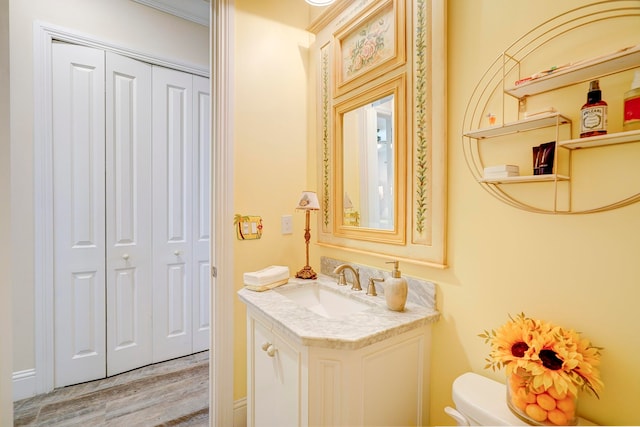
268, 348
271, 351
177, 253
125, 257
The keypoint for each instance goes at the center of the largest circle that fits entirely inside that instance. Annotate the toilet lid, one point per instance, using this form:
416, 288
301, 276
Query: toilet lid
485, 401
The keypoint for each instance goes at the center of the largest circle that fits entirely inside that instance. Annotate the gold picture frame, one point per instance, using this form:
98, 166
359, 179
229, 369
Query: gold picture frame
420, 58
396, 87
369, 45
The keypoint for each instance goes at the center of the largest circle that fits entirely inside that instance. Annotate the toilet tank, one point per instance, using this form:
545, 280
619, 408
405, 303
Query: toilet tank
483, 402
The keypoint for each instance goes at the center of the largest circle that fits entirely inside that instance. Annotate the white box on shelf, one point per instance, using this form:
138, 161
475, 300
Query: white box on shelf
502, 168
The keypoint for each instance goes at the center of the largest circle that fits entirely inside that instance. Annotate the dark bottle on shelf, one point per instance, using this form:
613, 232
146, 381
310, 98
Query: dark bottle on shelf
593, 115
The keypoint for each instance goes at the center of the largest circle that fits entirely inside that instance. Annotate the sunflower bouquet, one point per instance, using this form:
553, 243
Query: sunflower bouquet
541, 361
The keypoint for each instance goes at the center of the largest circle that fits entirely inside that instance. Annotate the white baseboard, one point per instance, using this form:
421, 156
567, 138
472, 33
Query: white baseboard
240, 413
24, 384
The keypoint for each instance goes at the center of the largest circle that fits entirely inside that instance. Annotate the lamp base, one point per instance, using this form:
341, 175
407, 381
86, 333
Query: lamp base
306, 273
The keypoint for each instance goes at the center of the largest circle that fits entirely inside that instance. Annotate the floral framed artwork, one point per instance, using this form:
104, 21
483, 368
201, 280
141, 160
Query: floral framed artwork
369, 45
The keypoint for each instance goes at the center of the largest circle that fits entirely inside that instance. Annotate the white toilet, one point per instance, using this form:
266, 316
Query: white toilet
481, 401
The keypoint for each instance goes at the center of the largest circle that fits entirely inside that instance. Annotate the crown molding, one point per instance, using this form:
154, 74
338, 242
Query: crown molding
192, 10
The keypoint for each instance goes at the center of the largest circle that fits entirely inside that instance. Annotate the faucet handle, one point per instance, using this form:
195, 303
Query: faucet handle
342, 280
356, 280
371, 289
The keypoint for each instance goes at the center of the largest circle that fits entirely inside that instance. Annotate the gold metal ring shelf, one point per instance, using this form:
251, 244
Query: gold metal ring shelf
493, 82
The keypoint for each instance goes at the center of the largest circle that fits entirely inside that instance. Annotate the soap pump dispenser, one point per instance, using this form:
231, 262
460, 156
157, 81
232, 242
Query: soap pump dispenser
395, 289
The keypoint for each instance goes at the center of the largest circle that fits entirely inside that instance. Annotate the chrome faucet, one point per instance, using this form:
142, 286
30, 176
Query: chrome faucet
343, 281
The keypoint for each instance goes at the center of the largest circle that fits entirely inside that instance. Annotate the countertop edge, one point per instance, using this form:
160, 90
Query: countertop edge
306, 328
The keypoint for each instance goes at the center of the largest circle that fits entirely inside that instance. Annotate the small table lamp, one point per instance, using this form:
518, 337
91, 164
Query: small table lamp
308, 202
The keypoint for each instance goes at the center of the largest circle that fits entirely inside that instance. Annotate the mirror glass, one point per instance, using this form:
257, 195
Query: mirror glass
368, 165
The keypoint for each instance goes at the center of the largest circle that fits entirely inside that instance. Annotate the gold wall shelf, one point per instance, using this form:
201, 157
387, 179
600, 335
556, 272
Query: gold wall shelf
622, 60
526, 179
602, 140
565, 196
524, 125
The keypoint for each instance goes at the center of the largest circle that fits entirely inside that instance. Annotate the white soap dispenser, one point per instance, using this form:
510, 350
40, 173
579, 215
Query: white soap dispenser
395, 289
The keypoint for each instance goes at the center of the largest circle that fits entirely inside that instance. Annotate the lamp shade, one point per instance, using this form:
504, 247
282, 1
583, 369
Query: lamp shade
347, 203
308, 201
319, 2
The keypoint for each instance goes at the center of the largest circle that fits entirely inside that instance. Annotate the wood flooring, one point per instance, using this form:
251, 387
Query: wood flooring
173, 393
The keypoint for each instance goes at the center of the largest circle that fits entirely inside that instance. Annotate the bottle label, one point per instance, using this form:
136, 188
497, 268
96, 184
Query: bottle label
594, 119
632, 109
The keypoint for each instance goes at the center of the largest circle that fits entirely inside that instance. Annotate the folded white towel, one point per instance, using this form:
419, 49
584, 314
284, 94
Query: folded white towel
266, 276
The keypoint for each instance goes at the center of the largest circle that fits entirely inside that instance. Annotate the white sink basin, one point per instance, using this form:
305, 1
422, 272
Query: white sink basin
323, 301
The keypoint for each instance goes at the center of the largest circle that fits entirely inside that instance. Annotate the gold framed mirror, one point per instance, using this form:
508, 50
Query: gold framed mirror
406, 61
370, 157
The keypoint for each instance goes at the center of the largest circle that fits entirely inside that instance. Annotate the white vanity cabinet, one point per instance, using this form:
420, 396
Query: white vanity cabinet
334, 382
275, 374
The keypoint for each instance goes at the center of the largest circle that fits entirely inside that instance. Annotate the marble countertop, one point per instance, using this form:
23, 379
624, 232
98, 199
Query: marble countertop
351, 331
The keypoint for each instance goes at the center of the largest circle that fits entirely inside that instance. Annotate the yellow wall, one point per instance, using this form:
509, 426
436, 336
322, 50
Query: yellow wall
270, 141
579, 271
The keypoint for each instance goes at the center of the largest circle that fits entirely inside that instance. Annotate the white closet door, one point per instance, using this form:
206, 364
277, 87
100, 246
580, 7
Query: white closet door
201, 213
128, 218
172, 213
79, 211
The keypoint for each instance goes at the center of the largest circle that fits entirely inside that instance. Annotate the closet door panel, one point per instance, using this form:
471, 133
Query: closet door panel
128, 198
201, 212
78, 210
176, 297
172, 213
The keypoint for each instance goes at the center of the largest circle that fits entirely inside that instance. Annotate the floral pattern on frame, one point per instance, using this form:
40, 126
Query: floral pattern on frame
371, 45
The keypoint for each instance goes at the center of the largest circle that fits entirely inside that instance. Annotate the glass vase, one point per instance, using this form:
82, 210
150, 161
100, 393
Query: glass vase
543, 407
